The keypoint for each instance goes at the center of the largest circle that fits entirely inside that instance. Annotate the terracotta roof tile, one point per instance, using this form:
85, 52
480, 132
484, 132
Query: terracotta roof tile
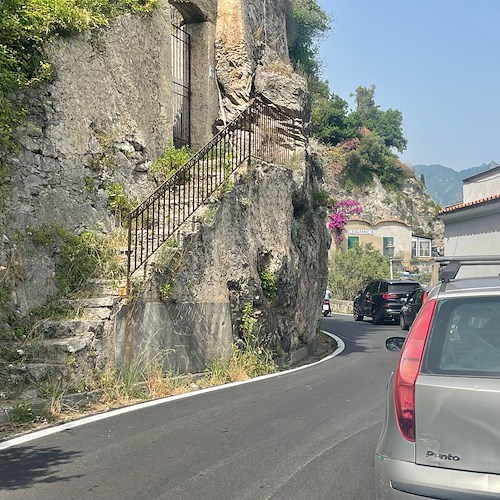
461, 206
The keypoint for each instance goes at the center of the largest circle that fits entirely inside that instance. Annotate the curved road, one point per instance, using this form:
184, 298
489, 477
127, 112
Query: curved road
309, 434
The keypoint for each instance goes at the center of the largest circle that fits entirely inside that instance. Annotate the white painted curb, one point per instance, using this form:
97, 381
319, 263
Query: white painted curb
113, 413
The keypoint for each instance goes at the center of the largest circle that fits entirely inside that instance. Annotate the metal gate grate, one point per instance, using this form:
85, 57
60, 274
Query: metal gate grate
181, 82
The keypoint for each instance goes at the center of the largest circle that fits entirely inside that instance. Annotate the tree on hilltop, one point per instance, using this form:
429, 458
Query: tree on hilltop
387, 124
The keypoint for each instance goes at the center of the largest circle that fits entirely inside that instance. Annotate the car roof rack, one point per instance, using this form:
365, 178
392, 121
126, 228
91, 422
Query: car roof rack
451, 265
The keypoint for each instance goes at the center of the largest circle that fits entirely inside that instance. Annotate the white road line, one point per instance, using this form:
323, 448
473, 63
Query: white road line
113, 413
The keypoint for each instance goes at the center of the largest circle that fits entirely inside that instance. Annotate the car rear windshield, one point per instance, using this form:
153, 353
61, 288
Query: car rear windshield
465, 338
402, 287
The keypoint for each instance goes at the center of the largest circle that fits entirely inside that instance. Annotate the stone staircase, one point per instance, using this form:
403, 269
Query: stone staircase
61, 356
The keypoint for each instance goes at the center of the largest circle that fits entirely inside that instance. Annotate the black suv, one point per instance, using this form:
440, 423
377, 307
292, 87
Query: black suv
382, 299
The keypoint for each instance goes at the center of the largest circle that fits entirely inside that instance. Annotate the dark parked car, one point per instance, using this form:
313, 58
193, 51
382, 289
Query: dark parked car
411, 306
381, 300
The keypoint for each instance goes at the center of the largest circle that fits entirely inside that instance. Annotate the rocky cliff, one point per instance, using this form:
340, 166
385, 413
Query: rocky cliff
99, 123
85, 159
410, 204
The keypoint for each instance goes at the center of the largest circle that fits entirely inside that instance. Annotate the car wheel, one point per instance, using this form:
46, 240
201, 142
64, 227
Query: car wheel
402, 322
357, 316
376, 319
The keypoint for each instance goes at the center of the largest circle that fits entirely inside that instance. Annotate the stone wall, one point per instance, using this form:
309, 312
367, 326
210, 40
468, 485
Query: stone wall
101, 120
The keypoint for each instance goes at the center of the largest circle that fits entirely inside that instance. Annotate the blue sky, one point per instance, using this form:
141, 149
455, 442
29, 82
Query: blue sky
437, 61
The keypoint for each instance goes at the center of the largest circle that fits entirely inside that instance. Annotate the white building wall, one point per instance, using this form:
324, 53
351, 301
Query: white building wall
482, 187
469, 237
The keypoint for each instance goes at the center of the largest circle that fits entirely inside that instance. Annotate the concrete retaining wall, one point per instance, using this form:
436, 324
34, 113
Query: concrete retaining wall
341, 306
184, 337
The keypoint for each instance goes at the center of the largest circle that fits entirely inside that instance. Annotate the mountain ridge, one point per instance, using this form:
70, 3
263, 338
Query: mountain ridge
445, 184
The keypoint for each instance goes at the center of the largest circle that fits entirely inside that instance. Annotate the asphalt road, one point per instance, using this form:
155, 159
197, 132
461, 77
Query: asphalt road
308, 434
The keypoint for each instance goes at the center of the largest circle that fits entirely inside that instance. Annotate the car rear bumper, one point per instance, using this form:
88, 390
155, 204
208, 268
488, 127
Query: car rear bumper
390, 313
398, 480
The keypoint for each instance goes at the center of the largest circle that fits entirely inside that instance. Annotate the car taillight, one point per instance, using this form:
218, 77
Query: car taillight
386, 296
408, 369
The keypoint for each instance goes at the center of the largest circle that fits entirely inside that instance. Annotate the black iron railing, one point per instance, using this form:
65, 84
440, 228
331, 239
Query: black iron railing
262, 131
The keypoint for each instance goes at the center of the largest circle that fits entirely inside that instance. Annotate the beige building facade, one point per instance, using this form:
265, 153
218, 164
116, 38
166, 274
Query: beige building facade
392, 238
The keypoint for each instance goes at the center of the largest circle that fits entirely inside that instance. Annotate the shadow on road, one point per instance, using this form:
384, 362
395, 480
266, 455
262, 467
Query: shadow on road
25, 466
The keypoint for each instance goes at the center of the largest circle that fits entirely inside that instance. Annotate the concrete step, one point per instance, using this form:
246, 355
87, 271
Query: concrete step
72, 345
105, 288
60, 329
58, 350
96, 308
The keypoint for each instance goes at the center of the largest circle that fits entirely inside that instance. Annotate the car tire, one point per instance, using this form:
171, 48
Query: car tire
357, 316
402, 322
376, 318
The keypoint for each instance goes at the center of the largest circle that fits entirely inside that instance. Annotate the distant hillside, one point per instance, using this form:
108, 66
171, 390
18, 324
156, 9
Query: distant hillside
445, 184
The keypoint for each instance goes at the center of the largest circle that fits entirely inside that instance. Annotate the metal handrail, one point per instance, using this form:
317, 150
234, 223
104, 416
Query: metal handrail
262, 131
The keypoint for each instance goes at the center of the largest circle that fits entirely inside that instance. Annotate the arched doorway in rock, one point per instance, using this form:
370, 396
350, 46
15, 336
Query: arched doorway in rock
181, 80
195, 92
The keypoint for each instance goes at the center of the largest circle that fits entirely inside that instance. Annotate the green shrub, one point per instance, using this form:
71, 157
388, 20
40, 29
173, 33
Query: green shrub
247, 321
321, 198
172, 159
119, 203
268, 283
307, 24
22, 413
353, 269
249, 357
166, 290
81, 257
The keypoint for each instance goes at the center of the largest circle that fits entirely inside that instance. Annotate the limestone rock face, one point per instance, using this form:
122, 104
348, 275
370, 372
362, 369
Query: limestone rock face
100, 121
252, 56
266, 224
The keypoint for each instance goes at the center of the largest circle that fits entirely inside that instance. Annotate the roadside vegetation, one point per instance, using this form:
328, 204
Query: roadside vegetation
142, 379
352, 270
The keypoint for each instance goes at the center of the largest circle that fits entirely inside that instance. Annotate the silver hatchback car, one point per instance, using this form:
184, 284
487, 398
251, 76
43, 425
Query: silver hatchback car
441, 434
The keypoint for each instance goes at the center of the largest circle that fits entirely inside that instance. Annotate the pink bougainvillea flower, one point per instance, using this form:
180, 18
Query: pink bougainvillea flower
340, 214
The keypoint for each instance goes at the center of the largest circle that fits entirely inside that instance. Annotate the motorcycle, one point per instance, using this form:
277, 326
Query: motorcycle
326, 307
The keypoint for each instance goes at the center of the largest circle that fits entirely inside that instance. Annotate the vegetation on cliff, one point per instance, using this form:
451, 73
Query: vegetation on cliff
26, 25
363, 139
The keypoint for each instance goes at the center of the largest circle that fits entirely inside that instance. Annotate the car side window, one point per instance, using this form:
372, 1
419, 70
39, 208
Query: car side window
416, 298
383, 287
465, 339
